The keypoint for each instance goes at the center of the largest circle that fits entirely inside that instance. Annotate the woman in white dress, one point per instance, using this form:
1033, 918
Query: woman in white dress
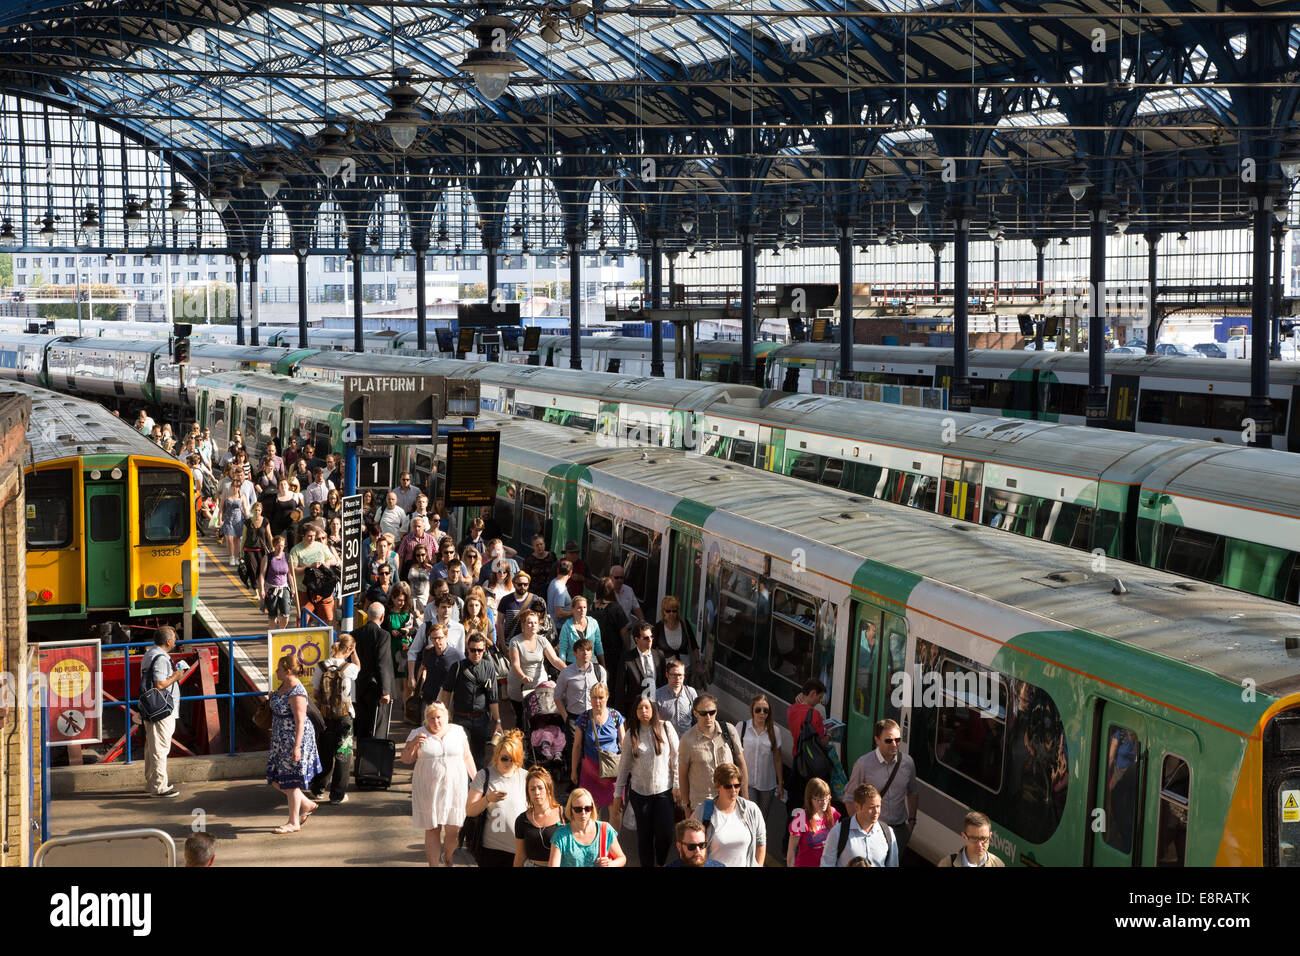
439, 782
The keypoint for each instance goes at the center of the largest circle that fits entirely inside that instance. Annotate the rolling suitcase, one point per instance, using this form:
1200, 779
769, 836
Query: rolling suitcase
376, 755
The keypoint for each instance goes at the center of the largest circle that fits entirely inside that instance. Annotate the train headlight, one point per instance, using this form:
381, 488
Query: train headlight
150, 591
95, 475
176, 590
116, 473
165, 590
31, 597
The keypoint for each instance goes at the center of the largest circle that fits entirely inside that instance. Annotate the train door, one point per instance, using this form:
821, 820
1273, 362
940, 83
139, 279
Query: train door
876, 679
959, 489
106, 544
1123, 402
686, 557
1142, 797
1293, 425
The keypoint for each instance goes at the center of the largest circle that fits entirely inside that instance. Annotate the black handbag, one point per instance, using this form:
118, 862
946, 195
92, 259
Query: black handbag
154, 704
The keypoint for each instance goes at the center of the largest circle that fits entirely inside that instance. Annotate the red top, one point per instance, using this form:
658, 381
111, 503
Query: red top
795, 717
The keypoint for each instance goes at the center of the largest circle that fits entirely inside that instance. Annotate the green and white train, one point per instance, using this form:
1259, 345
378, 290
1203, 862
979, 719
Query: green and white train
1028, 684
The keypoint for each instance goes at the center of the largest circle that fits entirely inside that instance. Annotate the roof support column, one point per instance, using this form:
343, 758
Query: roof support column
959, 394
491, 244
1153, 290
301, 252
1260, 407
1275, 325
748, 275
1096, 410
672, 276
657, 302
845, 227
254, 307
239, 296
575, 238
1040, 277
420, 246
357, 252
937, 249
997, 268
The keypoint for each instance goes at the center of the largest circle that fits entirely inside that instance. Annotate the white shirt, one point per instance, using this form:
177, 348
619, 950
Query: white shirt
455, 638
318, 492
673, 642
627, 601
393, 521
758, 754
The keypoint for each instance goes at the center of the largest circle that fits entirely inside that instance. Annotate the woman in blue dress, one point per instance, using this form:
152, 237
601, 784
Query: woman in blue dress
294, 760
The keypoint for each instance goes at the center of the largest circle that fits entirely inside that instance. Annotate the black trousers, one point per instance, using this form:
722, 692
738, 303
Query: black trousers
479, 732
654, 825
335, 769
499, 859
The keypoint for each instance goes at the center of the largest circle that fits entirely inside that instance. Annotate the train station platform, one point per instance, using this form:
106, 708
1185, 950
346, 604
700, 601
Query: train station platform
225, 607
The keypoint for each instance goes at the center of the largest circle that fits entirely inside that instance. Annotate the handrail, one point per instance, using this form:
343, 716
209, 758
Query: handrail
229, 695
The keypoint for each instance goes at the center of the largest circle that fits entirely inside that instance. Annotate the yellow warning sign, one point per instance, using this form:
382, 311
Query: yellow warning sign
1291, 806
31, 512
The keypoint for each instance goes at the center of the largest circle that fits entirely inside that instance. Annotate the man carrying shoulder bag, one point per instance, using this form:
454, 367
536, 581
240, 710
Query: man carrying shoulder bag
160, 698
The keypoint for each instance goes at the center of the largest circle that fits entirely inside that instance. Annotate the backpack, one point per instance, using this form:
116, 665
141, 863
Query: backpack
845, 824
810, 757
333, 702
320, 581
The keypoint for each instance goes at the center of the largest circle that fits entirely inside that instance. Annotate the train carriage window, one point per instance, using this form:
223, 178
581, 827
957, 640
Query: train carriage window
640, 558
266, 421
896, 646
1253, 567
1123, 764
250, 435
970, 733
599, 554
504, 511
742, 451
1187, 551
833, 473
1061, 522
794, 636
864, 674
862, 479
1175, 807
738, 610
218, 421
1009, 511
165, 506
803, 465
49, 509
1292, 592
534, 519
1227, 412
1192, 409
104, 518
321, 436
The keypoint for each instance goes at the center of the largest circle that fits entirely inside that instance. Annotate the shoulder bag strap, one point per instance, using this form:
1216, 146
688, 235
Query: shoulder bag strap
898, 762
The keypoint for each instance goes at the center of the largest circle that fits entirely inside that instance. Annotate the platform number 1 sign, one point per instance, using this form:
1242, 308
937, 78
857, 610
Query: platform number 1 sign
374, 471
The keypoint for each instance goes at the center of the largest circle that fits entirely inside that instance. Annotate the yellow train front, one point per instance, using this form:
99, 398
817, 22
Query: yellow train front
110, 520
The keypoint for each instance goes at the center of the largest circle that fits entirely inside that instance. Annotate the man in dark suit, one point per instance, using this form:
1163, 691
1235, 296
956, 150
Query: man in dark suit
375, 682
643, 669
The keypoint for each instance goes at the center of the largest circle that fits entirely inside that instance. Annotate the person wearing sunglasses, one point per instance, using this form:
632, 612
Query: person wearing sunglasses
705, 747
692, 845
497, 795
893, 774
470, 691
735, 827
584, 840
764, 744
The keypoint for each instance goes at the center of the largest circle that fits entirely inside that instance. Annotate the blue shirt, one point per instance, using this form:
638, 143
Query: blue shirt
156, 666
558, 598
600, 736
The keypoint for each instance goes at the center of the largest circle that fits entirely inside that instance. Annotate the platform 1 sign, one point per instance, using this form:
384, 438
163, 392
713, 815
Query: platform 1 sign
471, 477
352, 533
74, 675
375, 469
394, 398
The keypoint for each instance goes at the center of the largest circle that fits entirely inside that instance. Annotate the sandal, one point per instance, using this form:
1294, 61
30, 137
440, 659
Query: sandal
303, 821
287, 828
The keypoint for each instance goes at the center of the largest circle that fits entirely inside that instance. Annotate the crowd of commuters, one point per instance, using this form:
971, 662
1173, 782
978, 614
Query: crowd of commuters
453, 628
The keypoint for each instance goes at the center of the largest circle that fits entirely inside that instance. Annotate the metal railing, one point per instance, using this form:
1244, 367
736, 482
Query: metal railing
229, 696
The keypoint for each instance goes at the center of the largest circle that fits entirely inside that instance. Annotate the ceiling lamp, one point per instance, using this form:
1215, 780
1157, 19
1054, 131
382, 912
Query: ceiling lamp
995, 228
178, 208
7, 236
1122, 222
603, 244
442, 235
616, 261
507, 259
688, 222
219, 196
1182, 237
690, 247
331, 153
882, 237
1065, 241
374, 241
792, 214
518, 228
525, 248
597, 228
90, 220
780, 242
1078, 183
48, 231
404, 120
1279, 209
489, 66
1289, 160
269, 178
131, 213
915, 200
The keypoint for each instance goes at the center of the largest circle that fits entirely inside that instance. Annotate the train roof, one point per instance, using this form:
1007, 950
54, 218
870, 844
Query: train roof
1273, 488
1015, 442
117, 345
643, 346
243, 353
326, 396
1237, 636
63, 427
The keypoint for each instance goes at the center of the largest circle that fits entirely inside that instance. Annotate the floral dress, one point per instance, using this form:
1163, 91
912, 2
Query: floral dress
281, 769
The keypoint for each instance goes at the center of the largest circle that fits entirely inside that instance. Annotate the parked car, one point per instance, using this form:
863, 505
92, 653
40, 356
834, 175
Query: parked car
1127, 350
1182, 351
1211, 350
